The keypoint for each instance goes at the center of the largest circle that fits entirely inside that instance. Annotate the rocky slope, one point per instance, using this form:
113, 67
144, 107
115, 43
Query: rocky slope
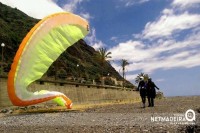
14, 25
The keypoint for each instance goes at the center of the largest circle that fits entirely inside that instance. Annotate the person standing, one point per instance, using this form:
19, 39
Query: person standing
142, 89
151, 92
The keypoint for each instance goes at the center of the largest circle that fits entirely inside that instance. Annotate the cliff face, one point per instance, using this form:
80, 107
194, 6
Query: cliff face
77, 61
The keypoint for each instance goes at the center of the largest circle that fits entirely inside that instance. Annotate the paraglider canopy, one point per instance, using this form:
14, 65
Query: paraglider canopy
39, 49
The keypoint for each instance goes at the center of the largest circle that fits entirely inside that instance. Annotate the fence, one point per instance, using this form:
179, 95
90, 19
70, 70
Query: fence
78, 93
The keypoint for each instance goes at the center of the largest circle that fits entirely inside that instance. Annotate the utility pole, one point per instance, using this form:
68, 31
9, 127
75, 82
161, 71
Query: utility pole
56, 69
78, 77
2, 46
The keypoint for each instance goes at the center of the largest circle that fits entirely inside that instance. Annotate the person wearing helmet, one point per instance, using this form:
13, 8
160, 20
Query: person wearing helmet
151, 92
142, 89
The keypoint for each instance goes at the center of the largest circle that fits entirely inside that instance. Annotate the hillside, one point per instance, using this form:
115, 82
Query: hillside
14, 25
77, 61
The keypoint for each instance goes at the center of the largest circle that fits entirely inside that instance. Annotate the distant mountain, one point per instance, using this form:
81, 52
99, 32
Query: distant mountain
77, 61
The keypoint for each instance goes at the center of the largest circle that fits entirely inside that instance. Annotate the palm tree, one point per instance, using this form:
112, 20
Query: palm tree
146, 76
102, 56
124, 63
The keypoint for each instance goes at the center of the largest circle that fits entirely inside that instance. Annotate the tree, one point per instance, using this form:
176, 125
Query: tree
146, 76
62, 74
102, 56
124, 63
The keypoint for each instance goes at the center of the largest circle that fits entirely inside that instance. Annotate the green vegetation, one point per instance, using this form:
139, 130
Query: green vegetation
146, 77
78, 62
14, 25
102, 57
124, 63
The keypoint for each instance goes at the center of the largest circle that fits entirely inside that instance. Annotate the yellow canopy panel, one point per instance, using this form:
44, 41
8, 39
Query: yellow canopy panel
39, 49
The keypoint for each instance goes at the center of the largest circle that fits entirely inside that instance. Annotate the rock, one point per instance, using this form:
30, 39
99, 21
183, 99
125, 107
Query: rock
159, 95
23, 108
4, 110
32, 107
198, 110
10, 111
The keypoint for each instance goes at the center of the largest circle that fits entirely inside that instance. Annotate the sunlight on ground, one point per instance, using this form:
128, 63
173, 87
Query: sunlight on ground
54, 108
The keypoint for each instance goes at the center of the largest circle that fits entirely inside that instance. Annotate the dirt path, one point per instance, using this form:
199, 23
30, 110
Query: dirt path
165, 105
120, 118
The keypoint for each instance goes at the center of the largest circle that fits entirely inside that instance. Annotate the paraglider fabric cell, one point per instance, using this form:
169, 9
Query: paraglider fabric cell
39, 49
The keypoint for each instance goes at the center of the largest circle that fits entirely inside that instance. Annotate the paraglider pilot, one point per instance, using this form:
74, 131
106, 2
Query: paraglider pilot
151, 92
142, 89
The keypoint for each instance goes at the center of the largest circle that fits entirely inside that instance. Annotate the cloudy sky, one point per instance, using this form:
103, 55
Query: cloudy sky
157, 37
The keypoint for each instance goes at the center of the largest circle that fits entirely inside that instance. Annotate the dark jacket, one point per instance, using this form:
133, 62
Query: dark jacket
142, 88
151, 91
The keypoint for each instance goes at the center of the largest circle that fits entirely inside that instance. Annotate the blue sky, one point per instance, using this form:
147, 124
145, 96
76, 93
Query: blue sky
158, 37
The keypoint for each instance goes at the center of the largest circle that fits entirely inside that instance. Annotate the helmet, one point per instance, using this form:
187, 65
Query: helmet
141, 78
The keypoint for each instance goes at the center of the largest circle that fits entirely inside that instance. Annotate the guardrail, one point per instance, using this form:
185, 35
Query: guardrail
62, 83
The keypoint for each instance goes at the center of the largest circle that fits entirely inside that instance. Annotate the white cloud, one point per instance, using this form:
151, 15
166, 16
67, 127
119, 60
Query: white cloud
160, 80
130, 50
41, 8
87, 16
98, 45
185, 3
170, 23
133, 2
131, 77
34, 8
93, 41
114, 38
72, 5
168, 11
164, 54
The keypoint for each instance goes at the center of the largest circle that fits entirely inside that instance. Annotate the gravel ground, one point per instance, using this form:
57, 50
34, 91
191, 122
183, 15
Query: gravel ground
118, 118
